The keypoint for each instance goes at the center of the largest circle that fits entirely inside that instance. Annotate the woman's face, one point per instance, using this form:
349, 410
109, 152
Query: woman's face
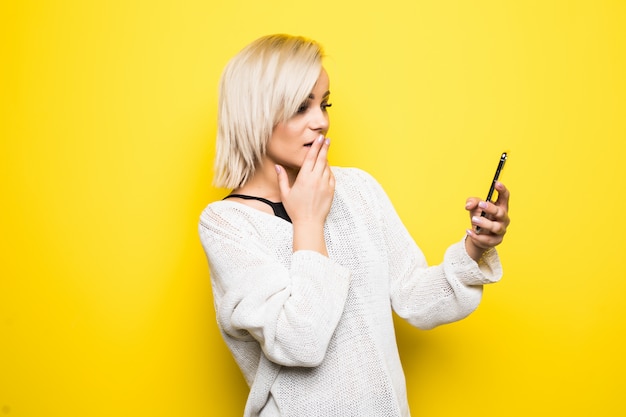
291, 140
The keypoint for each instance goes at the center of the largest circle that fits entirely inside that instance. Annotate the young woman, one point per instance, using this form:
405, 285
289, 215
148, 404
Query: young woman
307, 261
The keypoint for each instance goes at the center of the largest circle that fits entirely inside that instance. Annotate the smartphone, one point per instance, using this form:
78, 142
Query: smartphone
492, 188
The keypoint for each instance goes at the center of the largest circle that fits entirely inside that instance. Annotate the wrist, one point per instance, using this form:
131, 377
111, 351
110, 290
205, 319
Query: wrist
308, 235
473, 251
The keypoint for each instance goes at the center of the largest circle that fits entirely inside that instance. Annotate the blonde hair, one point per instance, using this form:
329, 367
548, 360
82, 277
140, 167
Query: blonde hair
261, 86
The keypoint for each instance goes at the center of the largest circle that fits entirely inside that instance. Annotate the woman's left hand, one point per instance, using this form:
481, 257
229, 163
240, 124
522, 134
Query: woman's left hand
492, 227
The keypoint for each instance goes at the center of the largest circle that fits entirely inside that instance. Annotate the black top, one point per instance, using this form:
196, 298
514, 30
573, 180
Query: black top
279, 209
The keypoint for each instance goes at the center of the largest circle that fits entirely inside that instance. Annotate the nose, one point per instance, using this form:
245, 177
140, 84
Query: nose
319, 120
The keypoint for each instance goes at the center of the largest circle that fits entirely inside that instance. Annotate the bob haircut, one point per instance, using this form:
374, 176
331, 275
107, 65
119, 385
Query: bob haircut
261, 86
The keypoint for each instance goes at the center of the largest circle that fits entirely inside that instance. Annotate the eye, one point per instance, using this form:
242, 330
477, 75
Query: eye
303, 108
326, 105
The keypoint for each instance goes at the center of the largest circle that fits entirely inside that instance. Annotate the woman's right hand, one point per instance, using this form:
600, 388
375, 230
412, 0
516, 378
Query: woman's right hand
308, 200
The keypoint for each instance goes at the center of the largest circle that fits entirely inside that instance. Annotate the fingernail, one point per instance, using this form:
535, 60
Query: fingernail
482, 204
277, 168
469, 232
327, 141
468, 204
321, 138
476, 219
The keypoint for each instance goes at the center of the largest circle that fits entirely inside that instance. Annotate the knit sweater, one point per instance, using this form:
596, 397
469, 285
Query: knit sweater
314, 335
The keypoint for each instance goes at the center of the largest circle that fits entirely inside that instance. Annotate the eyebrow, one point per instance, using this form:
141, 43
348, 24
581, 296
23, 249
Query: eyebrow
326, 94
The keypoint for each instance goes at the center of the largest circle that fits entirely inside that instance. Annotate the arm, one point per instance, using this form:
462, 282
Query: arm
290, 306
430, 296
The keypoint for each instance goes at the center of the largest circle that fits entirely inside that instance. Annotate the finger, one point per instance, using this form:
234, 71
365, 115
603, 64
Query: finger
283, 181
503, 196
487, 208
486, 226
321, 162
490, 214
484, 241
495, 212
471, 203
328, 177
311, 156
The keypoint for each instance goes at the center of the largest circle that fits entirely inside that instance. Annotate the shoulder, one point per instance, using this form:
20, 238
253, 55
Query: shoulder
232, 218
354, 175
225, 215
356, 180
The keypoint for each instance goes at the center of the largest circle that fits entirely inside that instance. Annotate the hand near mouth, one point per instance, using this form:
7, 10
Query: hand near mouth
308, 200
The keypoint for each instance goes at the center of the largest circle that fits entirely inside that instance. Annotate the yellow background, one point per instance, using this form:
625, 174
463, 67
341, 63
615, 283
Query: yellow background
107, 138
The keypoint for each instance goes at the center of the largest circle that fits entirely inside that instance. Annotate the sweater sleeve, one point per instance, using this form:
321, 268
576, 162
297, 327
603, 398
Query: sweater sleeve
428, 296
290, 308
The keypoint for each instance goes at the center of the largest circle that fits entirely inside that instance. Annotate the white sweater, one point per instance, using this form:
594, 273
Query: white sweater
314, 335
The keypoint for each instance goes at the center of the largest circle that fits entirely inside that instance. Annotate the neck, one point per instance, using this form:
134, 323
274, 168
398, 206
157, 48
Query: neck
264, 182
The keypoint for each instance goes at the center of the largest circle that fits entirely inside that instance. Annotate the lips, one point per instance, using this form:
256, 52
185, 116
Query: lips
308, 145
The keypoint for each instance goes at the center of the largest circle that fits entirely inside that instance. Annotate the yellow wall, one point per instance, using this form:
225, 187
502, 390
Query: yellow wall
107, 134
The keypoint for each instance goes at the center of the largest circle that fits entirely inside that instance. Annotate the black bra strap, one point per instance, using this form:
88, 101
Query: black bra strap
278, 208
